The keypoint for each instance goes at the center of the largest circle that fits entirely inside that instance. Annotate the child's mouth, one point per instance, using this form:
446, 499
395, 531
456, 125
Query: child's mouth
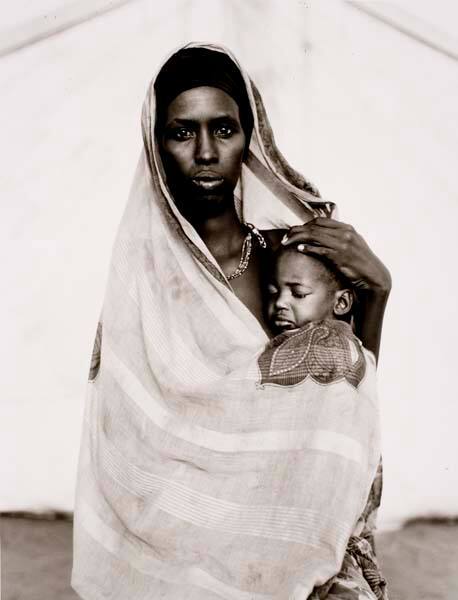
283, 323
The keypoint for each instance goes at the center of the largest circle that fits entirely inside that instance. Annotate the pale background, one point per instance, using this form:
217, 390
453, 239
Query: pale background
365, 111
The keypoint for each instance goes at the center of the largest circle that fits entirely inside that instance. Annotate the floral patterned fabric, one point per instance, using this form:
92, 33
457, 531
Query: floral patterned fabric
326, 351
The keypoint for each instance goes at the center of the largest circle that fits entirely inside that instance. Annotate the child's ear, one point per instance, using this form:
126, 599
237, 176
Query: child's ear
343, 302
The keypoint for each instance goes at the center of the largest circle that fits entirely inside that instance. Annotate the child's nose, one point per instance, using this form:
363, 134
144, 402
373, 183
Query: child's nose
281, 300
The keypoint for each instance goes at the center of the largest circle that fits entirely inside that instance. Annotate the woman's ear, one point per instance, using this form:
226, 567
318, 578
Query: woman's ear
343, 302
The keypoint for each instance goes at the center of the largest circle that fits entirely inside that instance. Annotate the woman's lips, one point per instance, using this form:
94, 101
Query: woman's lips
207, 181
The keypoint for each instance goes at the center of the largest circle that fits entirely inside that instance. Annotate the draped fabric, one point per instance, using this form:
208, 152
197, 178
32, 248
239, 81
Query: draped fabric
205, 473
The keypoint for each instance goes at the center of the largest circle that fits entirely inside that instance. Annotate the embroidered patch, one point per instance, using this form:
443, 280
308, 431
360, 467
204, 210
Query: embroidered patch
326, 351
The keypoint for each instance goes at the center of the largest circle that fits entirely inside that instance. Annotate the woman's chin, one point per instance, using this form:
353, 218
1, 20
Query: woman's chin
206, 205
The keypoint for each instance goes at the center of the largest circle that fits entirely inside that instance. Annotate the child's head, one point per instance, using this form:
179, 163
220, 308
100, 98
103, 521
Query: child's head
303, 289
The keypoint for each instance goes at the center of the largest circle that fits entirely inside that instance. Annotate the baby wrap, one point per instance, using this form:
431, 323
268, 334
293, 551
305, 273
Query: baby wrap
214, 463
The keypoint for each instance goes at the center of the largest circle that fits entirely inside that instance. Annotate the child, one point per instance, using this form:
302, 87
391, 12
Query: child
305, 289
308, 303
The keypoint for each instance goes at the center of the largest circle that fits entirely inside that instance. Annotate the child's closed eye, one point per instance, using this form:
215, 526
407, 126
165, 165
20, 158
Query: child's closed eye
272, 290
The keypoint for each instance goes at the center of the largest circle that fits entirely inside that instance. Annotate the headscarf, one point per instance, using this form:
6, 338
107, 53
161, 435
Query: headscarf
212, 467
195, 67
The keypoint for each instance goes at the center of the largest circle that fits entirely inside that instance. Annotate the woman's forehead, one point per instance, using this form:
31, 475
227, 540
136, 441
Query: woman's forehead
203, 103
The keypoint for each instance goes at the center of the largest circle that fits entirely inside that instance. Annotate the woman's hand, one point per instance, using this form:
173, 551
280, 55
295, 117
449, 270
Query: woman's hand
345, 248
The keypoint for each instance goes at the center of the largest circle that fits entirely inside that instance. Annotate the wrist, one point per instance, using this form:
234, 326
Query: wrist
382, 287
381, 290
375, 295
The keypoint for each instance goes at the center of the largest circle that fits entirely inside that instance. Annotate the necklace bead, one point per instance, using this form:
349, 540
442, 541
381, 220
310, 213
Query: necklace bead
244, 259
246, 250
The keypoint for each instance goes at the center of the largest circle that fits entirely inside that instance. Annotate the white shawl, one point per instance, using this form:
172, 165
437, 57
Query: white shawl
205, 472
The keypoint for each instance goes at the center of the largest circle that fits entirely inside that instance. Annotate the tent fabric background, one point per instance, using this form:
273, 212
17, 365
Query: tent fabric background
376, 115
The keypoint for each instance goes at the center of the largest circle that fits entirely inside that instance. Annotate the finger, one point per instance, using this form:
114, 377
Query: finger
331, 223
318, 224
329, 253
321, 222
319, 236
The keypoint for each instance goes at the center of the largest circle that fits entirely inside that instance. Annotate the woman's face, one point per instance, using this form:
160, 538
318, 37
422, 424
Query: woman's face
202, 148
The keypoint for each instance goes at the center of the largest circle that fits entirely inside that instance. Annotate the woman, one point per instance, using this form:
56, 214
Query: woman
195, 477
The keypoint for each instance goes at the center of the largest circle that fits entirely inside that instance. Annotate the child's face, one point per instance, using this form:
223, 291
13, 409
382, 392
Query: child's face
299, 292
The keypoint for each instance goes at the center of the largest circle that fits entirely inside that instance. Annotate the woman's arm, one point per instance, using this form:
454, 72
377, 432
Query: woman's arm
346, 249
369, 318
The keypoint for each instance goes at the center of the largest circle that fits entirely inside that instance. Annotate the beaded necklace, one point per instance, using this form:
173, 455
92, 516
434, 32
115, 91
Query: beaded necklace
247, 246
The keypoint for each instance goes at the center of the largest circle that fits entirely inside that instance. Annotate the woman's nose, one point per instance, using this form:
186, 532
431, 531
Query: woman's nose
206, 151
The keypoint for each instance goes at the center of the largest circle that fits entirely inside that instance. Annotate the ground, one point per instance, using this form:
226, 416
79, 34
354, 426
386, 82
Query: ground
419, 561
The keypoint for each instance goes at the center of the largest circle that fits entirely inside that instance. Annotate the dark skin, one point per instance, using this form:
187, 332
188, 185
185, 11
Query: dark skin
203, 136
202, 147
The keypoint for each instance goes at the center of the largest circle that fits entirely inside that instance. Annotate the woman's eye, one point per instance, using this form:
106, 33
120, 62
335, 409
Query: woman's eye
299, 295
181, 134
224, 131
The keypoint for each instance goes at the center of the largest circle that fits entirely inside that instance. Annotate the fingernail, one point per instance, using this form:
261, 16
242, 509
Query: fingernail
284, 239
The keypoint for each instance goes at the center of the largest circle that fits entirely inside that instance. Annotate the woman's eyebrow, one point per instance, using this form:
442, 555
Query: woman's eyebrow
178, 121
226, 119
218, 119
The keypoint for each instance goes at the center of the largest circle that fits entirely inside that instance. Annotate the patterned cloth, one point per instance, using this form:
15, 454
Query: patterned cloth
206, 472
360, 577
326, 352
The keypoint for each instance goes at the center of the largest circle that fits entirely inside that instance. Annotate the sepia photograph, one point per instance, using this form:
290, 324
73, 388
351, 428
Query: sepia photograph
230, 334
